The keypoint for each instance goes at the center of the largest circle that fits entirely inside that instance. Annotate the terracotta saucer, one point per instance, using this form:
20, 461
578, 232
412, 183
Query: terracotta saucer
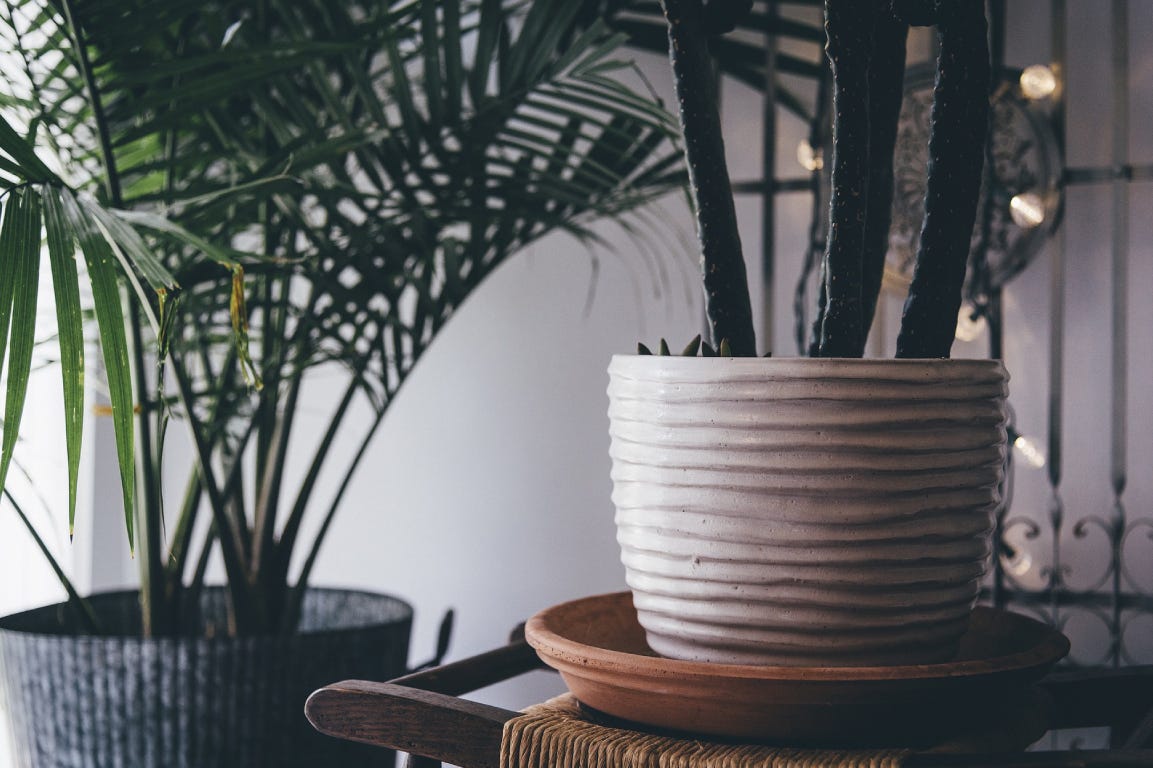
600, 651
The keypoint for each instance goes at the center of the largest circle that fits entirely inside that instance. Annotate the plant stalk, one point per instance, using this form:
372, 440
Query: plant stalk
88, 620
886, 92
292, 525
726, 284
849, 29
296, 594
231, 545
956, 157
151, 583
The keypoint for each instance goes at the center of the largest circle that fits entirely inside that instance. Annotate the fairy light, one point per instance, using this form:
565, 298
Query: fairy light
1017, 561
1028, 450
809, 158
970, 323
1027, 210
1038, 81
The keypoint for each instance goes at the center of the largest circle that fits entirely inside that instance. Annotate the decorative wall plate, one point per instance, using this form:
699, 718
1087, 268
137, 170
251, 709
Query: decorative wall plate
1022, 188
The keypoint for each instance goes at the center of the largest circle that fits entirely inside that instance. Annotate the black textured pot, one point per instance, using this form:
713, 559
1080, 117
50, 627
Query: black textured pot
121, 701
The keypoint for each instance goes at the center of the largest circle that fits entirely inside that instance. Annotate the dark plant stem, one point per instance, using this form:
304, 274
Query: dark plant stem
277, 424
231, 482
196, 585
956, 157
292, 524
194, 489
151, 564
296, 594
88, 619
111, 172
726, 284
814, 253
849, 30
231, 543
182, 535
886, 91
273, 432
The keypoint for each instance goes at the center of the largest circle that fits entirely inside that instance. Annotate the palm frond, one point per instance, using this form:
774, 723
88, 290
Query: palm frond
383, 158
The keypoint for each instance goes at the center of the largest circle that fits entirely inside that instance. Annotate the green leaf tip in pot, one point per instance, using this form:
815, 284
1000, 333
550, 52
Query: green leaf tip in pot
663, 350
724, 350
643, 350
727, 302
692, 347
707, 350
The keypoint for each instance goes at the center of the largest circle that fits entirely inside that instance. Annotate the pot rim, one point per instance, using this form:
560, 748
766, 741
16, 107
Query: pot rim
816, 362
846, 370
403, 614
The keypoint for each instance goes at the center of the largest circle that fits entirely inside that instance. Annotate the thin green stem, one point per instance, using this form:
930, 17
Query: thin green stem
296, 596
196, 586
271, 477
150, 561
185, 522
112, 175
194, 490
270, 470
292, 525
88, 619
231, 544
235, 473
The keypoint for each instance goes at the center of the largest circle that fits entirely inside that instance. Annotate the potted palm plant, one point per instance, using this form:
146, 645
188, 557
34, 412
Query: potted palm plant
828, 510
280, 188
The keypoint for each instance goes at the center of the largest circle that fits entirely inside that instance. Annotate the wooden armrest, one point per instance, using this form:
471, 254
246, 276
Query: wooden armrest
420, 714
423, 723
476, 672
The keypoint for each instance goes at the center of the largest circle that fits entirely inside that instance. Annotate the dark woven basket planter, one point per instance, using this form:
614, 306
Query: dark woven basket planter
120, 701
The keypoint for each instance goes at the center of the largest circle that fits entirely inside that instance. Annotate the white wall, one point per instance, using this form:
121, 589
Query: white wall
488, 487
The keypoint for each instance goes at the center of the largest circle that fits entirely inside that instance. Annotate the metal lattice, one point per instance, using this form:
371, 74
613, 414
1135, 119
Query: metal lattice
1085, 571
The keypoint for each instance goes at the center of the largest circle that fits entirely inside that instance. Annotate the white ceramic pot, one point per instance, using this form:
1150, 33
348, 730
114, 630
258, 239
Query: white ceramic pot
805, 511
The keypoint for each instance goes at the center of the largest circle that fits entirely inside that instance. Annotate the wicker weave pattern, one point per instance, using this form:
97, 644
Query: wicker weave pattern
557, 734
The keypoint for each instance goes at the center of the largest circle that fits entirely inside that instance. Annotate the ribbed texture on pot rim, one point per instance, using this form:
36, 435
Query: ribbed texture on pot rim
805, 511
120, 701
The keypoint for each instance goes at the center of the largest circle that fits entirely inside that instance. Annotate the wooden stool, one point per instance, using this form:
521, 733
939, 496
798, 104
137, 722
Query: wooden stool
423, 715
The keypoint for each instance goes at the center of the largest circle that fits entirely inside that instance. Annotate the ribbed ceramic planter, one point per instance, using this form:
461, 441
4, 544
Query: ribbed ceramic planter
120, 701
805, 511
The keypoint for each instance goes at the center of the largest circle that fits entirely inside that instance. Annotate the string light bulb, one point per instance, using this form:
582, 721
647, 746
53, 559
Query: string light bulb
1027, 210
1016, 561
970, 323
1028, 450
809, 158
1038, 81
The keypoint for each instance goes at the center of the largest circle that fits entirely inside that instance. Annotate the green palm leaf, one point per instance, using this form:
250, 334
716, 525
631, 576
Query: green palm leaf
66, 285
384, 157
19, 279
102, 273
